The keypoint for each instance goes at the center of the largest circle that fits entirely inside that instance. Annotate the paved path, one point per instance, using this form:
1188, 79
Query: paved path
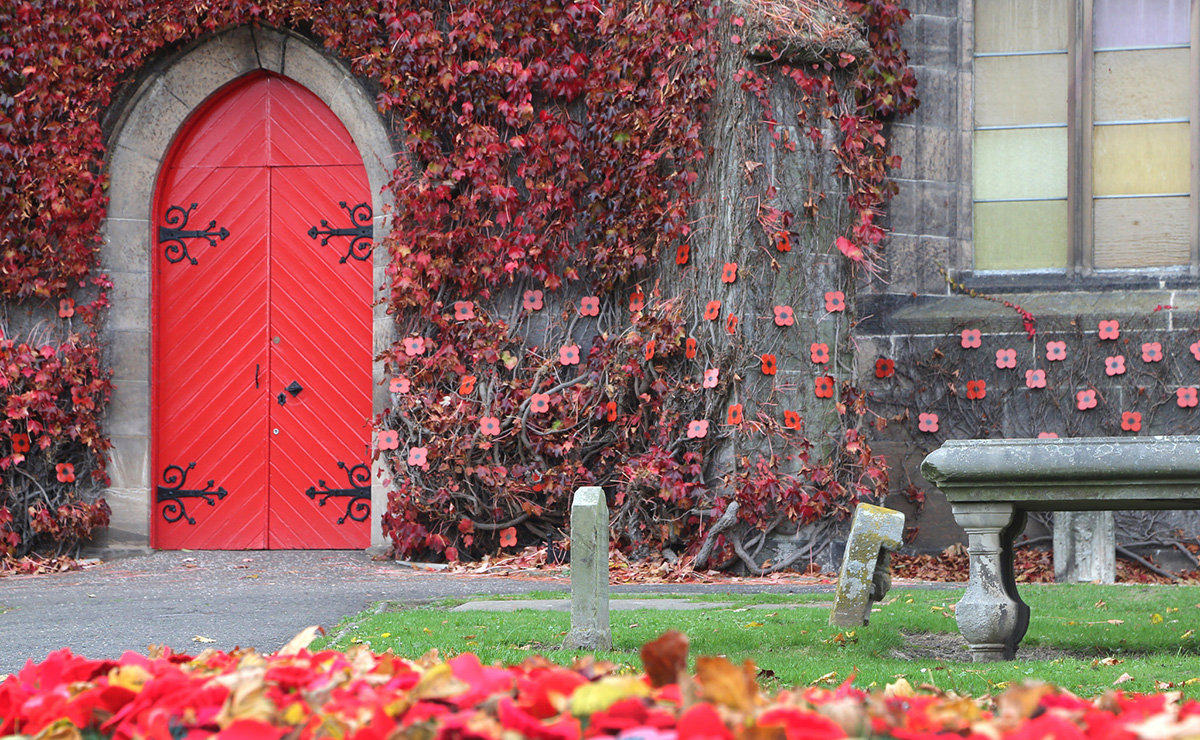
250, 599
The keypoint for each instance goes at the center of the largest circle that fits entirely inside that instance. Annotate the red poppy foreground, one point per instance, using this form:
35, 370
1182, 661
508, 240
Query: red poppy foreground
359, 695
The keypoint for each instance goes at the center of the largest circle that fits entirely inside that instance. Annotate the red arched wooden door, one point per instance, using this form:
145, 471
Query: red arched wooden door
262, 327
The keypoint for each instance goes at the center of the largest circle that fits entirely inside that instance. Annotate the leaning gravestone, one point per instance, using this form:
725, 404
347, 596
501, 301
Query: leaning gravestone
589, 572
865, 576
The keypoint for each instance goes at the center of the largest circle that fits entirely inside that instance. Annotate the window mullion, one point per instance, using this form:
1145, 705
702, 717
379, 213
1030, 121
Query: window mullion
1079, 138
1194, 136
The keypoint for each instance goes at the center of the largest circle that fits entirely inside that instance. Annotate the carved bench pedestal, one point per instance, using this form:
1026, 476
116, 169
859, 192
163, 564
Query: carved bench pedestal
991, 615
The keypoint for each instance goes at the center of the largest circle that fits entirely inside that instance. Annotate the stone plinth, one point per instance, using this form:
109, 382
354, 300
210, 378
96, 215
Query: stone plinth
589, 572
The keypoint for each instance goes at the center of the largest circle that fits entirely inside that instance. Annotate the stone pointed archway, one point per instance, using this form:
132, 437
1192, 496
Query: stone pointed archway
165, 98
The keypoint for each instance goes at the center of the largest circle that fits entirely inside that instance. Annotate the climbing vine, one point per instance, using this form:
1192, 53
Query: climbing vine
552, 153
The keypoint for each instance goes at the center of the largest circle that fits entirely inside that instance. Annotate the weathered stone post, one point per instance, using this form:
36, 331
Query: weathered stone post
589, 572
1085, 547
865, 577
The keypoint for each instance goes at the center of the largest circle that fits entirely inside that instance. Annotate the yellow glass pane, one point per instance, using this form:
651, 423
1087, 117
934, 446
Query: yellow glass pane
1021, 235
1021, 25
1141, 232
1141, 85
1020, 90
1140, 159
1021, 163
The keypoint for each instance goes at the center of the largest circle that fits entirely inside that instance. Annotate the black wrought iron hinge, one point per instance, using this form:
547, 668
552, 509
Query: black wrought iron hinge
358, 495
361, 231
173, 493
172, 234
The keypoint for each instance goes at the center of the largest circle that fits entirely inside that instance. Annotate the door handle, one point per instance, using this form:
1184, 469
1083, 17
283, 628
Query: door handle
294, 388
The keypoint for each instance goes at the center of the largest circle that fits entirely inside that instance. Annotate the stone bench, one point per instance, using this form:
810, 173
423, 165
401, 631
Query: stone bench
993, 484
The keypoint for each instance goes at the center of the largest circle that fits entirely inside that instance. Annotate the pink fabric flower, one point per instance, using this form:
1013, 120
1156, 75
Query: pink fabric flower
1085, 400
1035, 378
971, 338
1152, 352
697, 429
489, 426
819, 353
539, 403
835, 300
1114, 365
928, 423
1186, 397
1047, 435
785, 317
532, 300
1196, 350
1110, 329
569, 355
1056, 351
389, 439
589, 305
399, 384
414, 346
711, 376
464, 310
1131, 421
1006, 358
417, 457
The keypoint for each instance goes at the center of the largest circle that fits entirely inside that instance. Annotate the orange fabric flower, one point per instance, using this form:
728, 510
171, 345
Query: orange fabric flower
823, 387
466, 384
508, 537
682, 254
735, 414
791, 420
712, 310
729, 274
768, 364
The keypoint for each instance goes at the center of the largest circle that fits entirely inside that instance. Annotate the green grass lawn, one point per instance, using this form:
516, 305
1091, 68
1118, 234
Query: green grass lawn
1081, 637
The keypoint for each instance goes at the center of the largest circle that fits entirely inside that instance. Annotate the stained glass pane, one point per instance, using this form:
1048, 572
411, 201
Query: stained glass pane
1125, 23
1140, 159
1141, 232
1141, 85
1021, 235
1021, 90
1021, 25
1021, 163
